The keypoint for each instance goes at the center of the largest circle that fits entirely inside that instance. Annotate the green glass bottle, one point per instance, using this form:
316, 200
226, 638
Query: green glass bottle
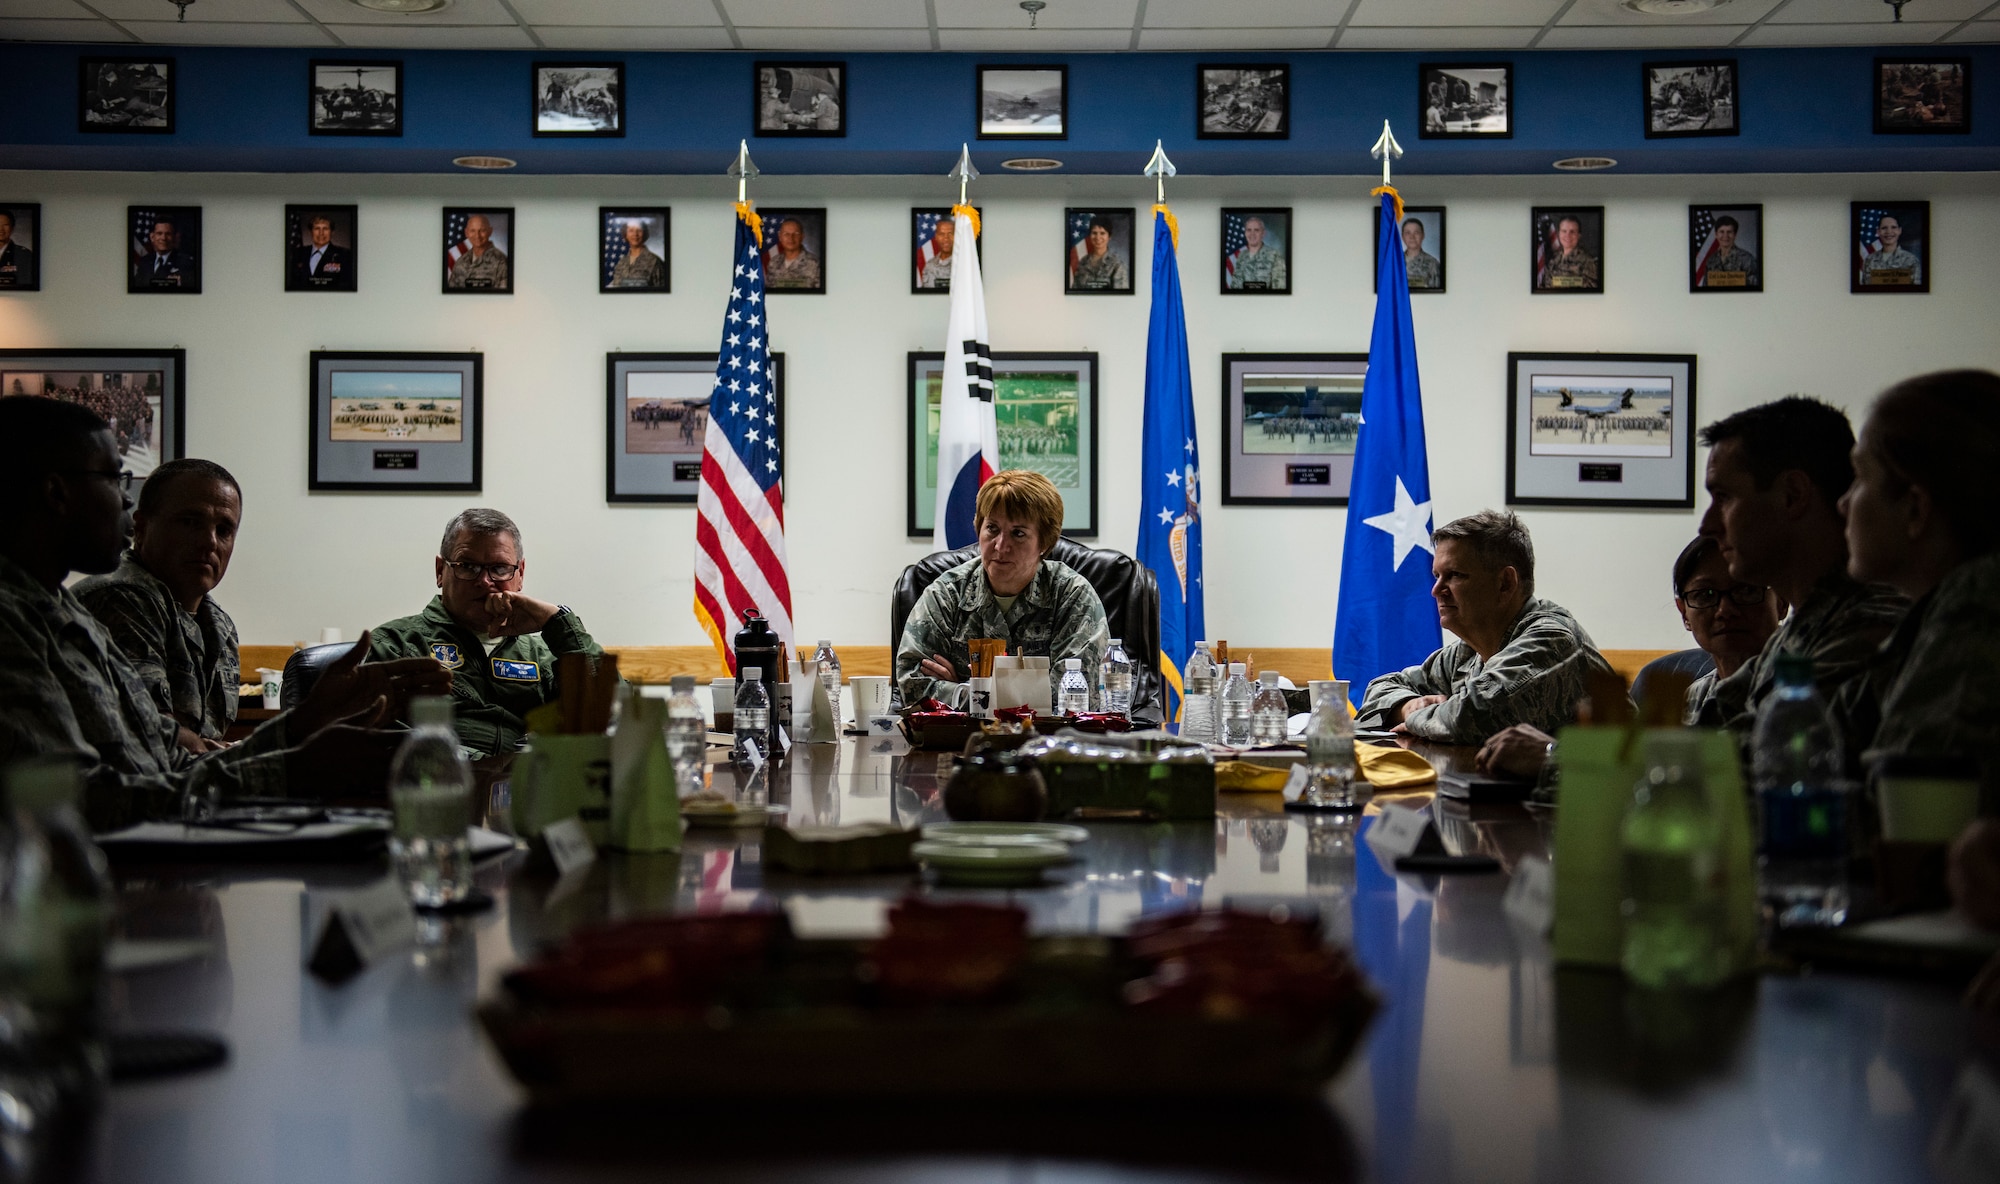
1671, 856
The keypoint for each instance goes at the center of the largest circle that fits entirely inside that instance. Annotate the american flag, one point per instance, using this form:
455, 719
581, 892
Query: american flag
1233, 241
1546, 246
613, 248
1702, 231
1867, 243
739, 532
187, 227
454, 236
1079, 231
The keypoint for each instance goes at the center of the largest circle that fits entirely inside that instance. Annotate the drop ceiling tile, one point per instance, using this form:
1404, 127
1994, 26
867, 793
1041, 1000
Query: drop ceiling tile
57, 30
1242, 14
461, 12
1907, 33
1223, 40
262, 12
1035, 41
612, 38
1646, 37
1875, 12
227, 33
1455, 13
1608, 12
53, 9
1977, 31
831, 14
841, 40
617, 13
433, 37
1454, 40
1060, 14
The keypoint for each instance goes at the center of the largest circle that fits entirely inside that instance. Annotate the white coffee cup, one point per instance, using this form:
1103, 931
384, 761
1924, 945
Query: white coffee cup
1320, 688
329, 635
274, 686
870, 693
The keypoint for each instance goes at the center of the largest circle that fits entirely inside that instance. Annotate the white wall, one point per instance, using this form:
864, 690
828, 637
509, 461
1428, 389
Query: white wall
308, 560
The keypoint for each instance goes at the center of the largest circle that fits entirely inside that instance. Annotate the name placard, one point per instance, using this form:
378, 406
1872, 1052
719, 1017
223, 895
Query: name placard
398, 460
359, 928
687, 470
569, 847
1308, 474
1400, 831
1612, 474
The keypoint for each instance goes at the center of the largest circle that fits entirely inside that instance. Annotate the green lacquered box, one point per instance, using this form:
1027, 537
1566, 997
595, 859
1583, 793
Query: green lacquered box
1156, 791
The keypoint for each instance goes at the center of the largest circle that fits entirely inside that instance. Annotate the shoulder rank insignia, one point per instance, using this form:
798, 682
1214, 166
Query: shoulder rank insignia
516, 671
447, 654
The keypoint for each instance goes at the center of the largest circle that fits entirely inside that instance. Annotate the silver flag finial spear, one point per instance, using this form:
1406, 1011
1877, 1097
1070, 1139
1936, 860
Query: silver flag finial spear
1160, 168
963, 170
1386, 149
743, 170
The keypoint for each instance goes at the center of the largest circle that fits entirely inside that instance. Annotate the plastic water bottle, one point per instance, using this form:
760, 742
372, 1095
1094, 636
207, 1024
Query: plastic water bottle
1802, 807
1114, 679
1267, 710
1671, 857
753, 736
1236, 698
687, 737
1198, 695
1330, 760
827, 664
430, 786
1073, 695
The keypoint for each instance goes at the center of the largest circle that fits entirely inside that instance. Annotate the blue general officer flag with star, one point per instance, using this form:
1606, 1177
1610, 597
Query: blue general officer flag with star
1170, 467
1386, 619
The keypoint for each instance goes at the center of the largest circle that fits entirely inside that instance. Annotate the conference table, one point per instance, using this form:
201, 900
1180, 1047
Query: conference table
1486, 1062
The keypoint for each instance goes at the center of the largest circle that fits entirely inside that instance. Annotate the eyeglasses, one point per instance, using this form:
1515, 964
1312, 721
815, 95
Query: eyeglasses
1707, 598
124, 477
483, 571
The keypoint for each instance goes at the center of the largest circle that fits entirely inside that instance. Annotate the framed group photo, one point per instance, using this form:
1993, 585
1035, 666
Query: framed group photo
795, 251
352, 98
141, 393
20, 246
1289, 423
1023, 102
1243, 102
395, 421
130, 94
800, 99
1465, 100
934, 234
478, 251
579, 99
634, 244
1256, 252
322, 248
656, 408
1097, 251
1045, 405
165, 248
1690, 99
1725, 248
1601, 430
1890, 245
1567, 250
1422, 232
1923, 95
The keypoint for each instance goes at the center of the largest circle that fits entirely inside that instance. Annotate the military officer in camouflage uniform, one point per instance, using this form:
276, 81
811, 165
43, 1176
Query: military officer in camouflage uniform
1730, 259
1255, 267
1892, 264
640, 268
1572, 266
1099, 270
485, 265
499, 644
789, 264
1517, 660
936, 273
1424, 268
1729, 618
1011, 591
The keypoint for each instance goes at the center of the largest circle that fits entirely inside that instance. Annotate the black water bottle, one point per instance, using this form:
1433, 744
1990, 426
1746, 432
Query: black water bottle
757, 645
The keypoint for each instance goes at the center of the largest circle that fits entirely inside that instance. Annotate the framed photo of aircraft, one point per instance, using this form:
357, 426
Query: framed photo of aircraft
1289, 423
1601, 430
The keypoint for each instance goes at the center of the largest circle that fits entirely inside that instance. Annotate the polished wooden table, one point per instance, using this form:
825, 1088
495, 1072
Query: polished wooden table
1486, 1064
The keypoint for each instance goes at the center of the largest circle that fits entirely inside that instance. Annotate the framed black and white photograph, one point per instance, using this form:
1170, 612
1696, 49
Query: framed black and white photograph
322, 248
164, 246
20, 246
352, 98
1422, 232
579, 98
1023, 102
141, 393
1288, 427
478, 251
1243, 102
1690, 98
634, 249
1045, 407
1465, 100
1890, 246
1566, 247
800, 99
657, 417
935, 237
1923, 95
1256, 252
396, 421
795, 251
1726, 248
133, 94
1601, 430
1097, 251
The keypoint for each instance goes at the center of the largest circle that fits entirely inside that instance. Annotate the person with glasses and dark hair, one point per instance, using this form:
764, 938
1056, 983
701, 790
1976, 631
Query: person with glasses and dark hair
499, 643
1730, 619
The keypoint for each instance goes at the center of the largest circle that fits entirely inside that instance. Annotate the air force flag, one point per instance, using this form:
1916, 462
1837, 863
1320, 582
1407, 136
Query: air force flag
968, 447
1170, 468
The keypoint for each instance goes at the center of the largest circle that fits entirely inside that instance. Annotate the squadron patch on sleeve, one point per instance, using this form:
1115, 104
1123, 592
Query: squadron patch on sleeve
447, 654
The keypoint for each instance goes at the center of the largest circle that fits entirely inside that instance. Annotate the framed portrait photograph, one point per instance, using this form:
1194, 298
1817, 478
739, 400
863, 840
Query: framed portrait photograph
355, 98
800, 99
1469, 99
20, 246
165, 247
1045, 405
935, 235
322, 245
395, 421
579, 98
1726, 248
634, 249
1256, 252
1690, 98
1601, 430
1891, 246
1243, 102
132, 94
1097, 252
795, 251
1023, 102
478, 251
657, 416
1567, 250
1288, 428
1923, 95
1422, 231
141, 393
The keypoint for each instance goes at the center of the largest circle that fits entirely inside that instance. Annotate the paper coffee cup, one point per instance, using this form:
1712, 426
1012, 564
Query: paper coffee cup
870, 693
274, 686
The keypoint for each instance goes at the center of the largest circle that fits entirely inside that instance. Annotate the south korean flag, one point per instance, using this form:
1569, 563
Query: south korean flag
968, 437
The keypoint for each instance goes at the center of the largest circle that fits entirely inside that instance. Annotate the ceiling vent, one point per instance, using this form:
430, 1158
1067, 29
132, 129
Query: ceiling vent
1670, 7
1585, 164
402, 7
484, 162
1031, 164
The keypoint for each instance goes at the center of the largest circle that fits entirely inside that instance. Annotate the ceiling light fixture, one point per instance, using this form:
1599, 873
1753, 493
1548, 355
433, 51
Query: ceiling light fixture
484, 162
1033, 8
1585, 164
1670, 7
402, 7
183, 6
1898, 6
1031, 164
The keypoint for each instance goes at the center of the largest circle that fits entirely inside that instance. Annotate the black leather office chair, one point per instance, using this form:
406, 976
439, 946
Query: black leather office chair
1694, 663
1130, 595
303, 669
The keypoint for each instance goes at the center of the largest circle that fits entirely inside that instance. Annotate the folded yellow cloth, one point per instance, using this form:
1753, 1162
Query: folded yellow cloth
1244, 777
1389, 769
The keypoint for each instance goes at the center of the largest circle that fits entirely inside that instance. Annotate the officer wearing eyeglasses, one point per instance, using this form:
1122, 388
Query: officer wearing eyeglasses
499, 643
1730, 619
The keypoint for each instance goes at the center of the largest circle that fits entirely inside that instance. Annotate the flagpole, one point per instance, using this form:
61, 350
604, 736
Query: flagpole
742, 169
